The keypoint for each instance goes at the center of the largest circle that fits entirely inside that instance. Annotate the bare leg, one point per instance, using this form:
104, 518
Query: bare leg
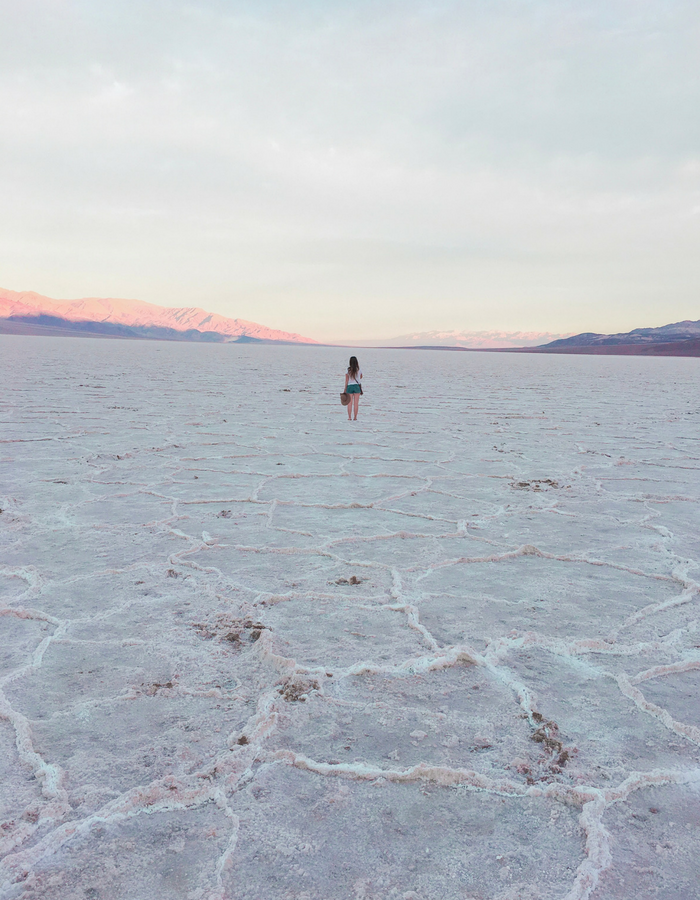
355, 402
349, 409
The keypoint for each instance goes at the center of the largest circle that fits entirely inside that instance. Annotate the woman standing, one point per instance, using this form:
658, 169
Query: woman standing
353, 385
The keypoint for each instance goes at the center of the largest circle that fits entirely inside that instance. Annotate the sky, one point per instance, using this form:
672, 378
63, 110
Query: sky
358, 169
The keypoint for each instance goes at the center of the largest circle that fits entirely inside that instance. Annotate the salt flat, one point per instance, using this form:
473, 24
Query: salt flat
251, 650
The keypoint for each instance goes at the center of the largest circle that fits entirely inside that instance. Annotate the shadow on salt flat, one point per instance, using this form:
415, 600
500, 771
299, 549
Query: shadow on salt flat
326, 838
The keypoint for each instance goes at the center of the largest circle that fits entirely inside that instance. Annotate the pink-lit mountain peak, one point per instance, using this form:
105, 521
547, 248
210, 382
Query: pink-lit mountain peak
137, 313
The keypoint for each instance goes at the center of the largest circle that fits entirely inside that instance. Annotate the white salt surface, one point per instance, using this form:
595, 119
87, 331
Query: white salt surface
252, 650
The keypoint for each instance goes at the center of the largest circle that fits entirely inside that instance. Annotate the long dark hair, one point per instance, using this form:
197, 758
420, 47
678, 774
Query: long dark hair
354, 367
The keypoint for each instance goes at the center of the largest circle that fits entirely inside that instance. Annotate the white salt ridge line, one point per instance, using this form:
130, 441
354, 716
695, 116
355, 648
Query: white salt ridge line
392, 535
71, 711
28, 613
280, 551
264, 599
443, 775
289, 476
369, 505
449, 657
446, 776
111, 570
636, 781
452, 657
531, 550
290, 531
690, 732
165, 795
117, 610
593, 800
689, 592
662, 498
226, 859
413, 619
686, 665
262, 723
491, 660
253, 496
49, 775
109, 642
284, 665
524, 550
598, 854
411, 612
176, 559
29, 440
585, 646
219, 500
28, 574
270, 513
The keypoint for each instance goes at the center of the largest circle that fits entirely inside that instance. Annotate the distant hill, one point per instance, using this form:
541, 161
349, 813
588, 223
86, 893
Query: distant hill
472, 340
644, 339
29, 313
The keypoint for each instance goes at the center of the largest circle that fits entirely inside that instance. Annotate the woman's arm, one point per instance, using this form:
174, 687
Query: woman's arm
347, 375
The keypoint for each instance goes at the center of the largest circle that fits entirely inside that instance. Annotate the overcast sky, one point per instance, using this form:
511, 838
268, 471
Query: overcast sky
357, 169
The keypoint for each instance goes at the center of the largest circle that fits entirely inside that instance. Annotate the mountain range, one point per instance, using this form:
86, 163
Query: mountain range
28, 313
472, 340
677, 339
678, 331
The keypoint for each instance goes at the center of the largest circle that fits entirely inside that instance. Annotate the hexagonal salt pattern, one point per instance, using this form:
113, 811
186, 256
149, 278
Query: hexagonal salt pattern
251, 650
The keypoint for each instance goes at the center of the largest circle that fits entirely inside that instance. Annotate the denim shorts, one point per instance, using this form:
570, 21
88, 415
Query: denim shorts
352, 389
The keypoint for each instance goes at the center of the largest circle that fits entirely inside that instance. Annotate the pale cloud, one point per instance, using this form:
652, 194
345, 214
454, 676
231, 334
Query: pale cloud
357, 169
